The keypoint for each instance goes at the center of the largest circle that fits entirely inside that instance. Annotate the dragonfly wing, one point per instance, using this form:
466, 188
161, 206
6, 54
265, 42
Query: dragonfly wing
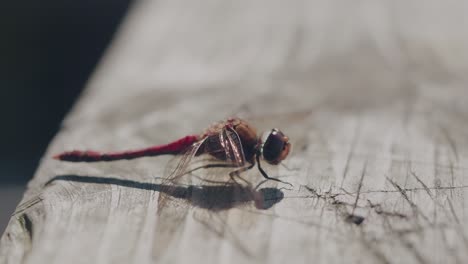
216, 150
232, 146
179, 165
221, 149
175, 169
222, 152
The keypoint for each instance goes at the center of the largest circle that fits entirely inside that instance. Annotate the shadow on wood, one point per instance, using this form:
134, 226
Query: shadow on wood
211, 197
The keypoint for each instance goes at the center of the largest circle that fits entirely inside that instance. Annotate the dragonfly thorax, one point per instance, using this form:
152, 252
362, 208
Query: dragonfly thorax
276, 147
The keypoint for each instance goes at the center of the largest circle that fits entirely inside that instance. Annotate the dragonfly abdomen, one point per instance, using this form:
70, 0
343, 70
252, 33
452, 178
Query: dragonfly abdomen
172, 148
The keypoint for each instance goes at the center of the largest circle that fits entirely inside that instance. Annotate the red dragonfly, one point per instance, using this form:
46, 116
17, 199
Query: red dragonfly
234, 142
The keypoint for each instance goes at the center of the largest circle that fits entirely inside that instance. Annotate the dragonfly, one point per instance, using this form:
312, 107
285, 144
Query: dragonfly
234, 142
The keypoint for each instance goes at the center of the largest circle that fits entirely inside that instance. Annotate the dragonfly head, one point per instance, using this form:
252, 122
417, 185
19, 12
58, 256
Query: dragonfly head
276, 147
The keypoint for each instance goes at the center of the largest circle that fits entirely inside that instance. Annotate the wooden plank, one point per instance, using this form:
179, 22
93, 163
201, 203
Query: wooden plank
372, 94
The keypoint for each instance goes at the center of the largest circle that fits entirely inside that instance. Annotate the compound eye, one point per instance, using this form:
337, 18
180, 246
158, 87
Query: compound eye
276, 147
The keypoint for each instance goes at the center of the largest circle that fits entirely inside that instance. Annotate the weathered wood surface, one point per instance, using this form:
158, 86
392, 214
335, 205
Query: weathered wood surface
372, 93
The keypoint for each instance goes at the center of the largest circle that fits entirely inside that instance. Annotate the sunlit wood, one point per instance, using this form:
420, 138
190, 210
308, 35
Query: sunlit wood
372, 94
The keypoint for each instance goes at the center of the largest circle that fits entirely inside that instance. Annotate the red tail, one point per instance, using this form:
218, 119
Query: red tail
93, 156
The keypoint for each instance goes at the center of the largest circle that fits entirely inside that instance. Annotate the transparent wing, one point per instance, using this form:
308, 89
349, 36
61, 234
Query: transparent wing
221, 153
232, 146
218, 150
175, 169
179, 165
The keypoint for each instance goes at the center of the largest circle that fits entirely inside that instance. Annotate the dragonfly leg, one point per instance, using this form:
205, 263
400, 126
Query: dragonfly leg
260, 183
236, 173
264, 174
209, 181
207, 166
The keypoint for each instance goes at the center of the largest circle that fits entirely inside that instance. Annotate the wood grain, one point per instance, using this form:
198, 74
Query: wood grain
373, 95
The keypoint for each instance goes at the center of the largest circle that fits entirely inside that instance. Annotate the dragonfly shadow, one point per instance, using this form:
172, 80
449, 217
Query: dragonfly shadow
211, 197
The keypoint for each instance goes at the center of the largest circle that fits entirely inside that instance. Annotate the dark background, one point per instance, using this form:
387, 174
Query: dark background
48, 49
